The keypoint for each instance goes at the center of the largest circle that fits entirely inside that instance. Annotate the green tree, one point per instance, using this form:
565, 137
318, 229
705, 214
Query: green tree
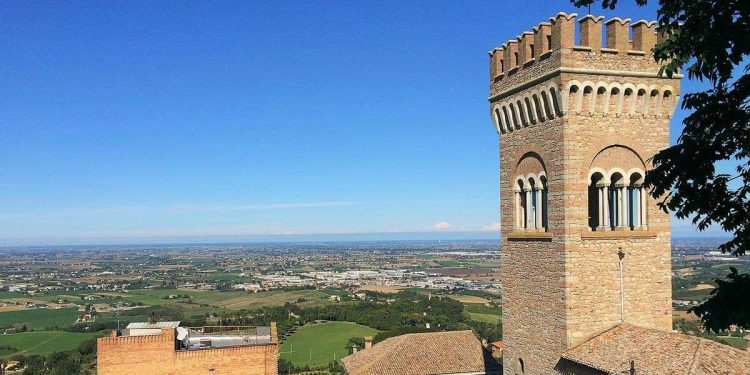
709, 40
728, 303
359, 342
87, 347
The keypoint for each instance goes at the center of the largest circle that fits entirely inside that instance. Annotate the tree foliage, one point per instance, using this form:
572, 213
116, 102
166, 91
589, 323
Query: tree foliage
726, 304
710, 41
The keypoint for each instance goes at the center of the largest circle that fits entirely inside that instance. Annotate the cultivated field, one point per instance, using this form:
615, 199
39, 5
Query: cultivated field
234, 300
487, 318
43, 342
381, 288
318, 344
482, 313
469, 299
39, 319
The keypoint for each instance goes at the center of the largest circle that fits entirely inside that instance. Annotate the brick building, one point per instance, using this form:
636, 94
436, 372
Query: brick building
166, 348
584, 249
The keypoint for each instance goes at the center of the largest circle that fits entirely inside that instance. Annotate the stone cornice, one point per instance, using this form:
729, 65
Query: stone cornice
604, 72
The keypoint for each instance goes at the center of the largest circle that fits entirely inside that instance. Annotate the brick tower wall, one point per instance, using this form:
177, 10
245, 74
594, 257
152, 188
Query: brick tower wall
566, 103
593, 277
533, 265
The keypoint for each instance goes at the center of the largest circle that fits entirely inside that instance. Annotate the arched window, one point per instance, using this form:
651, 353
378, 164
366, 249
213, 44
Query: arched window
519, 194
545, 213
637, 201
597, 202
617, 199
531, 195
618, 204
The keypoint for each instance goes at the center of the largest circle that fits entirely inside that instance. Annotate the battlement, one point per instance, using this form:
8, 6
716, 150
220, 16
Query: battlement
166, 347
166, 336
543, 75
559, 35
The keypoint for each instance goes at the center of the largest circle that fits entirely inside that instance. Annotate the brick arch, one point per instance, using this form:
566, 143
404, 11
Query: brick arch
598, 145
531, 165
531, 148
619, 158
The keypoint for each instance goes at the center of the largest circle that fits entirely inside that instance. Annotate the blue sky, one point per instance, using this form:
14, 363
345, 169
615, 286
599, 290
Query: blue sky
179, 121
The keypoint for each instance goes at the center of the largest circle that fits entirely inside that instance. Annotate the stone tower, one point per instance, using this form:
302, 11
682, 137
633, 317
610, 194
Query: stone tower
583, 246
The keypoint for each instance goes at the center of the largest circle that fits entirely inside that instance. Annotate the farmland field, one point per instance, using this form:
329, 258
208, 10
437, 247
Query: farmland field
320, 342
482, 309
39, 319
468, 299
487, 318
44, 342
381, 288
737, 342
234, 300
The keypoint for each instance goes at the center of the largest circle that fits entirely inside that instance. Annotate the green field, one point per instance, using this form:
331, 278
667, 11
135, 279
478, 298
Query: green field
737, 342
39, 319
487, 318
316, 344
692, 295
234, 300
482, 309
44, 342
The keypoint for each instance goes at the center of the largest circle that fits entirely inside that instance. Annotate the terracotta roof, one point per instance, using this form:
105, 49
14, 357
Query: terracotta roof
658, 352
452, 352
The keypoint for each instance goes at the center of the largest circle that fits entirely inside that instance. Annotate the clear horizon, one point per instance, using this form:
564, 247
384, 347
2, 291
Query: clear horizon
129, 122
305, 238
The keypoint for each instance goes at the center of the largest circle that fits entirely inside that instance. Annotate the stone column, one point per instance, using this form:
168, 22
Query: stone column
626, 206
516, 205
605, 202
642, 200
635, 195
529, 217
615, 207
538, 209
518, 212
620, 209
600, 207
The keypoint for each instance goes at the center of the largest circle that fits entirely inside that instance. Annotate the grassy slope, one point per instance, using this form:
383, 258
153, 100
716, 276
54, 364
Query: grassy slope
325, 340
44, 342
482, 309
39, 319
737, 342
487, 318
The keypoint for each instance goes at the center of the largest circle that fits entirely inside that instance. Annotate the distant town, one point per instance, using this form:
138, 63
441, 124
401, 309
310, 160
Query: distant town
73, 294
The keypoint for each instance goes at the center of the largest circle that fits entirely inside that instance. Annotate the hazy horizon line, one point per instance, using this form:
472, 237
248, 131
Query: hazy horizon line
288, 238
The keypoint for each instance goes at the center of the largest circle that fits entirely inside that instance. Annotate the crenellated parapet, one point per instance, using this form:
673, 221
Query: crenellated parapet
593, 69
166, 336
560, 34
